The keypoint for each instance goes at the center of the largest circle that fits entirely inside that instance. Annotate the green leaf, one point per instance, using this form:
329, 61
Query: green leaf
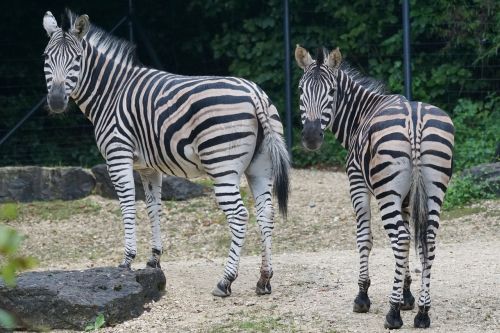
99, 321
6, 320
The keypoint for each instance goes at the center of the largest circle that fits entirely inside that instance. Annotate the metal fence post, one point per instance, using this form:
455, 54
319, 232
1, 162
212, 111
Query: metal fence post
288, 79
406, 49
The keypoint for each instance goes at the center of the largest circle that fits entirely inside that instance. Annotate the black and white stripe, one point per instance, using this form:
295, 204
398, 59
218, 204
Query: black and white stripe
188, 126
399, 151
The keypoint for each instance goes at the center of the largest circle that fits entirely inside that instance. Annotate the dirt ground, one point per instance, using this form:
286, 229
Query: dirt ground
315, 263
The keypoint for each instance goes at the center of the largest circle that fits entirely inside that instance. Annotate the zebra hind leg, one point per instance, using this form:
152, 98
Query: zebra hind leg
400, 243
151, 180
260, 182
408, 299
228, 197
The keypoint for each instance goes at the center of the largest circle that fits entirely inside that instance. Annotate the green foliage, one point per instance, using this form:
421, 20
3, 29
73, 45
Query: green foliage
464, 190
8, 211
97, 324
9, 245
477, 128
11, 262
6, 320
454, 57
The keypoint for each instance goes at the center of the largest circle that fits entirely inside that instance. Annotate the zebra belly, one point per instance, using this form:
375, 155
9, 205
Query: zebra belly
188, 167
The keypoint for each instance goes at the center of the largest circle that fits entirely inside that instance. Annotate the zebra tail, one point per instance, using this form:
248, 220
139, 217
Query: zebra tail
280, 162
419, 210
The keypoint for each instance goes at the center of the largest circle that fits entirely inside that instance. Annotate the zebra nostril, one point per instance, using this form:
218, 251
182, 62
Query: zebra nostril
321, 134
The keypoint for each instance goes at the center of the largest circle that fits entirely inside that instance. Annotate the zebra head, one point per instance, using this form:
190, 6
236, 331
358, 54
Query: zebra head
63, 56
317, 93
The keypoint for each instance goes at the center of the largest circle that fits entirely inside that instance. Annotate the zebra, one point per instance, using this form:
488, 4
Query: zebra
399, 151
161, 123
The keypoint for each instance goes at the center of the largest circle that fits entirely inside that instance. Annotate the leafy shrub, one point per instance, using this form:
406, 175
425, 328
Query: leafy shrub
477, 125
464, 190
9, 244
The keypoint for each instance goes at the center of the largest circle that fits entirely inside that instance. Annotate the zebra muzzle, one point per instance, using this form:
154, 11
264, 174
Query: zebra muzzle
57, 98
312, 135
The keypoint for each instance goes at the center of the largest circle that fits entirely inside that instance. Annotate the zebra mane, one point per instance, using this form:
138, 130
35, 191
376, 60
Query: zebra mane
367, 82
119, 49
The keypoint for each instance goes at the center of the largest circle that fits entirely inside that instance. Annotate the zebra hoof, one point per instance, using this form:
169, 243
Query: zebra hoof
223, 289
264, 284
361, 303
263, 289
408, 300
153, 263
393, 318
125, 266
422, 319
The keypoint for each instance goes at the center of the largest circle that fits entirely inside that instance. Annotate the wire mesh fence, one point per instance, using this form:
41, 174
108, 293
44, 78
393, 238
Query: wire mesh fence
46, 139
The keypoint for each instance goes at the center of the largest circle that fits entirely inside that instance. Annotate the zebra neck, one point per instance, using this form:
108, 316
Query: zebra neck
100, 83
354, 105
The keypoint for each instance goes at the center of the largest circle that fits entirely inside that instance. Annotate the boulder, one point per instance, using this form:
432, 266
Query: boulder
73, 299
31, 183
488, 173
173, 188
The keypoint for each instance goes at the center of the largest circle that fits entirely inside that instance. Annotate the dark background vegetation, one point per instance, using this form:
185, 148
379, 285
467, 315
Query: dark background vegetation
455, 62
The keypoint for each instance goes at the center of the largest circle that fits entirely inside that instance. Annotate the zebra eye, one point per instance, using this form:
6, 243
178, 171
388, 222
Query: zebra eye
300, 91
78, 57
331, 92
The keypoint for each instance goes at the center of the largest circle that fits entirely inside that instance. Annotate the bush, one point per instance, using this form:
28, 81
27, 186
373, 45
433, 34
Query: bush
476, 131
464, 190
11, 262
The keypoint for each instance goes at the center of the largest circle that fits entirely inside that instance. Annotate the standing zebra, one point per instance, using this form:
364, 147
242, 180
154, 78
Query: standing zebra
162, 123
398, 151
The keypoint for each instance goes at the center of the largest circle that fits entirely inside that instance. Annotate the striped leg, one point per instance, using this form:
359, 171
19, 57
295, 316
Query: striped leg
260, 181
360, 198
408, 299
422, 319
228, 197
121, 174
397, 230
151, 180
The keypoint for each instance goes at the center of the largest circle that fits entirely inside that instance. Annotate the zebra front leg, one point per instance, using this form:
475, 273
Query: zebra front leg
261, 186
151, 180
360, 198
121, 173
229, 200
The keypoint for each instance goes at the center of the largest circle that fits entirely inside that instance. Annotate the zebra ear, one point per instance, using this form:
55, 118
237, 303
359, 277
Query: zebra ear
81, 26
302, 57
334, 59
49, 23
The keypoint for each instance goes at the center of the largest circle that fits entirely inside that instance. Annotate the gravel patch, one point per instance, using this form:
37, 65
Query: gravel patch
315, 263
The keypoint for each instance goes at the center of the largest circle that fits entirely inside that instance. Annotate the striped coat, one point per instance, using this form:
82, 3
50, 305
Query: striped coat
162, 123
399, 152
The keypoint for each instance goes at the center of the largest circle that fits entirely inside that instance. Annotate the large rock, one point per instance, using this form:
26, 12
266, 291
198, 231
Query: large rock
173, 188
488, 173
40, 183
73, 299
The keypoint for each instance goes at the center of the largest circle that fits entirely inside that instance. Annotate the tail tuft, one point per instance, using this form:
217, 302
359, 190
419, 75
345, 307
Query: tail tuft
419, 210
281, 167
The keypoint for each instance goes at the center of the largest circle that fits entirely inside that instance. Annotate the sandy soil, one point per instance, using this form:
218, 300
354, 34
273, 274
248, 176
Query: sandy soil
315, 263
